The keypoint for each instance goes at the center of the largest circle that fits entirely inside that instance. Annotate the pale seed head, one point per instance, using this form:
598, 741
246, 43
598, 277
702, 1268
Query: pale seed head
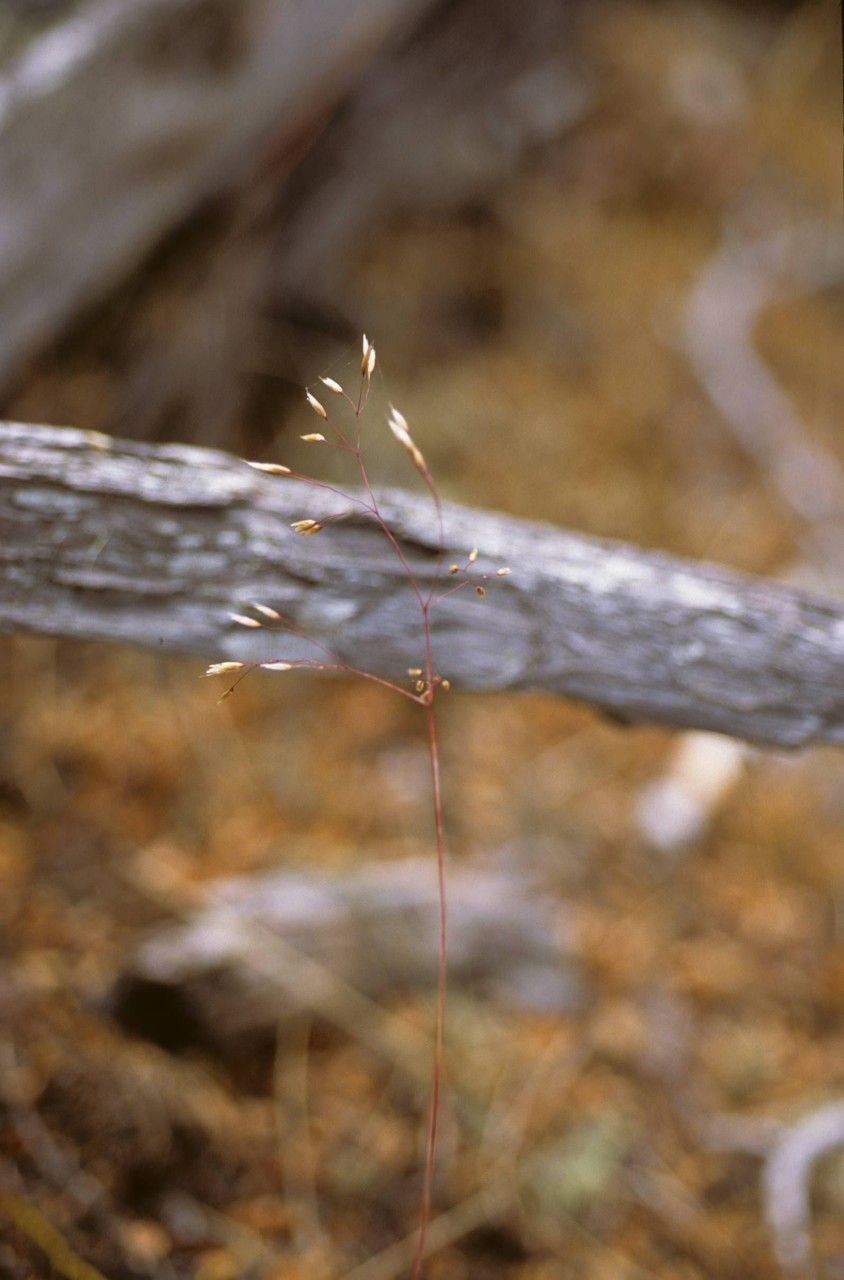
445, 684
370, 362
223, 668
398, 425
266, 611
454, 568
502, 573
271, 468
243, 621
276, 666
400, 432
98, 440
315, 404
414, 671
397, 418
313, 437
473, 555
332, 385
306, 526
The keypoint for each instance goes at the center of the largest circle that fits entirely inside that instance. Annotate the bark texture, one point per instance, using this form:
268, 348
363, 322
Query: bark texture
154, 545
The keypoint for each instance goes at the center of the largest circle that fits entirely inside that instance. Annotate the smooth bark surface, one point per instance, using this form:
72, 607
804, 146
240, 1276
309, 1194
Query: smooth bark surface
112, 540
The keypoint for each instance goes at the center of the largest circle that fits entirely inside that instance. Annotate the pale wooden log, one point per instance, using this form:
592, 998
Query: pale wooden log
372, 930
113, 540
118, 119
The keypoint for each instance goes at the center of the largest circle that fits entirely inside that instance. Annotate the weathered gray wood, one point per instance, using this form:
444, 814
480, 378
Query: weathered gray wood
374, 929
114, 540
117, 120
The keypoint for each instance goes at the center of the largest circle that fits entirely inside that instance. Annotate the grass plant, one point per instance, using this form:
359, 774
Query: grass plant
343, 432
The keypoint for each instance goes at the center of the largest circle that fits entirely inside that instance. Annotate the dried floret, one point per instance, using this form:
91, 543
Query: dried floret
271, 468
316, 405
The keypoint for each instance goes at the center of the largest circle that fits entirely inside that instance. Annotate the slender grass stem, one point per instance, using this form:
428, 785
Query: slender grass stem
427, 687
442, 968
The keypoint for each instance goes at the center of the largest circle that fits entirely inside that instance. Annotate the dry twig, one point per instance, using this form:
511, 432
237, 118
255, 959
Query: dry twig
786, 1183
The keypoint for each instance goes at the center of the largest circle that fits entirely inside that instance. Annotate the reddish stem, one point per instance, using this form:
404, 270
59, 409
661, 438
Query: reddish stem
439, 1030
426, 699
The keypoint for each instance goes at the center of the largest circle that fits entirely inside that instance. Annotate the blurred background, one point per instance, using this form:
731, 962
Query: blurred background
599, 249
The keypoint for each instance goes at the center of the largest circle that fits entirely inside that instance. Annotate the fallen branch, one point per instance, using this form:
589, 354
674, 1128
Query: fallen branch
373, 930
121, 118
786, 1184
737, 285
113, 540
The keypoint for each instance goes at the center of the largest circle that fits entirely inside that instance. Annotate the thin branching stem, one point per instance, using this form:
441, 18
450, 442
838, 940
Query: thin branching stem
330, 488
426, 689
391, 537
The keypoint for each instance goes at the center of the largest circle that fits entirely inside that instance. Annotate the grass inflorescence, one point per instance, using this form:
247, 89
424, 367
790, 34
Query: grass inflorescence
425, 682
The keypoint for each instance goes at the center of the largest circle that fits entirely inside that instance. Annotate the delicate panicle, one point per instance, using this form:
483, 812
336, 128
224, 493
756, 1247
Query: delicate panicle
271, 468
316, 405
267, 611
424, 682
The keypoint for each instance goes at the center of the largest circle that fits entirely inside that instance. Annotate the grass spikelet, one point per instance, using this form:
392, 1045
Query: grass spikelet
269, 468
317, 405
223, 668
